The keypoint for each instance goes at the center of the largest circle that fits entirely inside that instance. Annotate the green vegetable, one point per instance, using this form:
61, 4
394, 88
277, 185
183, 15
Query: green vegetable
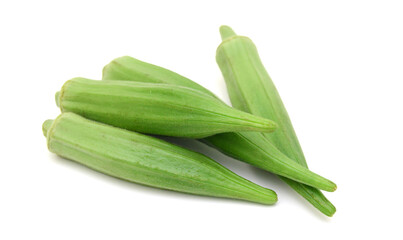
146, 160
122, 69
252, 148
251, 90
160, 109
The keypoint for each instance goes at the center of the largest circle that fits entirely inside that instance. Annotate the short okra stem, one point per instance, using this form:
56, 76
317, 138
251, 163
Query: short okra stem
226, 32
46, 125
57, 98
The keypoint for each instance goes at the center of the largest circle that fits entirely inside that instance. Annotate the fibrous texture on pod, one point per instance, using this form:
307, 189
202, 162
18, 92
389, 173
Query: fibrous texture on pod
160, 109
251, 90
146, 160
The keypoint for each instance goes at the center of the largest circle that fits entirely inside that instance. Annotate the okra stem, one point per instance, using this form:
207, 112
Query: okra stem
46, 125
57, 98
226, 32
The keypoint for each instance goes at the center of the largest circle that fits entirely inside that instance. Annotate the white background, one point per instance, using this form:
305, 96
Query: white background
338, 66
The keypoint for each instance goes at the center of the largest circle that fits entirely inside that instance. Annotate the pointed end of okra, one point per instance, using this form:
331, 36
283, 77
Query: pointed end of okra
45, 126
334, 187
259, 124
326, 208
329, 186
330, 211
267, 197
226, 32
272, 126
57, 98
314, 180
272, 199
267, 126
324, 184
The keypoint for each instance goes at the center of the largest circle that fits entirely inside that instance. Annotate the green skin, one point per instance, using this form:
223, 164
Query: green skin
248, 84
252, 148
146, 160
160, 109
251, 90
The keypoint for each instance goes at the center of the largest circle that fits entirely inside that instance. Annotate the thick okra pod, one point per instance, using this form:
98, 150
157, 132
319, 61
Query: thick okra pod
122, 69
251, 89
160, 109
252, 148
146, 160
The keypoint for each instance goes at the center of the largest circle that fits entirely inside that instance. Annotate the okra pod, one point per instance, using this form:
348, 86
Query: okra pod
251, 90
146, 160
160, 109
122, 69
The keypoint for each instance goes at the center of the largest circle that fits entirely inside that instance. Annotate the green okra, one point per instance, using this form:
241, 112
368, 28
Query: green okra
251, 90
122, 69
252, 148
146, 160
160, 109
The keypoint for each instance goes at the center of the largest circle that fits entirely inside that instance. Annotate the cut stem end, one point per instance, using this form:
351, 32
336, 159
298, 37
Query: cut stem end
226, 32
45, 126
57, 98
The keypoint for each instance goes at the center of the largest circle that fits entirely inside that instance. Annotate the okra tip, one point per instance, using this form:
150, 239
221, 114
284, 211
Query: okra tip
330, 211
45, 126
328, 186
226, 32
331, 186
268, 126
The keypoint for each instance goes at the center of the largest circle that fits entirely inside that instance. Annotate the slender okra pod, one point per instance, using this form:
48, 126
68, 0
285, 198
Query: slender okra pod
124, 68
160, 109
146, 160
252, 148
251, 90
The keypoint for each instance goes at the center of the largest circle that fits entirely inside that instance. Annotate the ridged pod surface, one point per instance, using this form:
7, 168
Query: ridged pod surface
160, 109
146, 160
123, 69
251, 90
252, 148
